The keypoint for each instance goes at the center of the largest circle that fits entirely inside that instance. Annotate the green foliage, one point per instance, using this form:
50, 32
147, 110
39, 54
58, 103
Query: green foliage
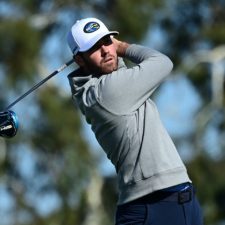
200, 77
132, 18
215, 33
193, 23
209, 179
109, 196
19, 49
29, 6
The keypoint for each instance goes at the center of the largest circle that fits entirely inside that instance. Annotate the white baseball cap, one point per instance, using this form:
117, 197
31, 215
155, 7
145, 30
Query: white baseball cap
85, 33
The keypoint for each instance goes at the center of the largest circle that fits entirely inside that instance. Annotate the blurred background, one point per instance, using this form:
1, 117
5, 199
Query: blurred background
53, 172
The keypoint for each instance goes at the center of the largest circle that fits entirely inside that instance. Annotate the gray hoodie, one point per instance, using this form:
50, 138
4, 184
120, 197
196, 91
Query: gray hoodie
127, 125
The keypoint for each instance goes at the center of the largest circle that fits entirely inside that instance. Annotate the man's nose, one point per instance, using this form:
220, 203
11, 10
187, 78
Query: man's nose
104, 49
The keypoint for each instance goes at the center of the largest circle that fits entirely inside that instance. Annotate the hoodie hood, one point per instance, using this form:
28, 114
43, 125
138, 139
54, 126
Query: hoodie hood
78, 79
80, 83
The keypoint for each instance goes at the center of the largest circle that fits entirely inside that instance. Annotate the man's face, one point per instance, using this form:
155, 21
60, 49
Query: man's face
101, 58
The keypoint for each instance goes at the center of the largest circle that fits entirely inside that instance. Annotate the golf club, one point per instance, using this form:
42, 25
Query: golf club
8, 124
8, 119
40, 83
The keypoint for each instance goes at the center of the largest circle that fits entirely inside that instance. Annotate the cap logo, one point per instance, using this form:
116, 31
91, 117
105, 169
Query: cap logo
91, 27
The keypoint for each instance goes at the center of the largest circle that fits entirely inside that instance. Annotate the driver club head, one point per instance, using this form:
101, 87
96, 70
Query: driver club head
8, 124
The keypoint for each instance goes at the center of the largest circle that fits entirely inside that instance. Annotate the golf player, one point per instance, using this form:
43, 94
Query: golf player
154, 187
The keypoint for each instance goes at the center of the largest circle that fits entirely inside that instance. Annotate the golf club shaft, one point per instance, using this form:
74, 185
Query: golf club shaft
40, 83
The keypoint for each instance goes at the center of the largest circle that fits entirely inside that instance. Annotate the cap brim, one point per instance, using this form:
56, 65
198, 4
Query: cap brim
96, 39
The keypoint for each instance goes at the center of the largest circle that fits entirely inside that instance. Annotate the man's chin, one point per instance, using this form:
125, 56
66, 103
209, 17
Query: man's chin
109, 70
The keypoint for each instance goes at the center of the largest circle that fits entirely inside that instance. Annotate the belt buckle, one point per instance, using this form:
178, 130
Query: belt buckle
185, 196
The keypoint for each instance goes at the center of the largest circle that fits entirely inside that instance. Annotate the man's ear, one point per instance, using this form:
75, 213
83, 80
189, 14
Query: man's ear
79, 60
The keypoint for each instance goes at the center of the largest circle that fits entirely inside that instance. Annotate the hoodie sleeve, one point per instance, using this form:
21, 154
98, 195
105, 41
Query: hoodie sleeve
125, 90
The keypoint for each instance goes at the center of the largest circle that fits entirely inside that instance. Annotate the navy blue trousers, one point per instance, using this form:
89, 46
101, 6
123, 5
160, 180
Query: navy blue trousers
161, 208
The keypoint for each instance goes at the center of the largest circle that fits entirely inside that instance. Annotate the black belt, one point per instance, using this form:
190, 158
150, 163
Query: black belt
181, 197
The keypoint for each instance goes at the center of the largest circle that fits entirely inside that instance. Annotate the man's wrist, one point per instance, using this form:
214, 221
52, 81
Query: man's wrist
121, 48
